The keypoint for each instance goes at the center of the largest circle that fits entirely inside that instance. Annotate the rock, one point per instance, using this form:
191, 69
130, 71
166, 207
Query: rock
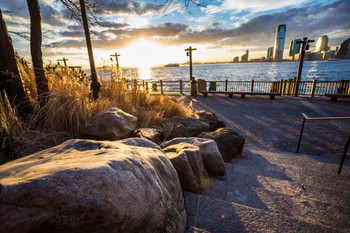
211, 119
179, 126
188, 163
110, 124
229, 142
92, 186
151, 134
194, 158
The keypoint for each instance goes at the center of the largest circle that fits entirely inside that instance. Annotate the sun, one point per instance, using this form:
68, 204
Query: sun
145, 54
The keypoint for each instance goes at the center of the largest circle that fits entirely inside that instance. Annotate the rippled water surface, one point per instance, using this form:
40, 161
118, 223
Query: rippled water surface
320, 70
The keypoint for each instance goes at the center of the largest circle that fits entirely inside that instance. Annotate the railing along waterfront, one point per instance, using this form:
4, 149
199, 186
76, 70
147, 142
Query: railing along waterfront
284, 87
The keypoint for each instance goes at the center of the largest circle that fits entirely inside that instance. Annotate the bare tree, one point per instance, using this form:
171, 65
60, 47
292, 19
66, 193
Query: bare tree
35, 49
10, 79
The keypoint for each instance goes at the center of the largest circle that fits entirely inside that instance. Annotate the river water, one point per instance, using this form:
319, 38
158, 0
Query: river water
264, 71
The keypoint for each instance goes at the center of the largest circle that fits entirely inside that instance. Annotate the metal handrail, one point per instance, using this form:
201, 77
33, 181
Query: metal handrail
346, 147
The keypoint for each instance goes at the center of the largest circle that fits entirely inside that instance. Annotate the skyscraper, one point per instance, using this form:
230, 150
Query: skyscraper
269, 53
244, 57
322, 44
279, 42
344, 51
294, 47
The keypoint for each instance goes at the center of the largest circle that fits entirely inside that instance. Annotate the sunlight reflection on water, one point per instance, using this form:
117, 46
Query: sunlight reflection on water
320, 70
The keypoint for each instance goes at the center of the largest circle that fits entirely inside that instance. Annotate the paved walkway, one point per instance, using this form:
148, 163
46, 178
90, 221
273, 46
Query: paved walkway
275, 124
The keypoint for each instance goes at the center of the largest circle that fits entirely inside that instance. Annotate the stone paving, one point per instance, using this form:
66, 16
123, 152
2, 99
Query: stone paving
268, 188
275, 124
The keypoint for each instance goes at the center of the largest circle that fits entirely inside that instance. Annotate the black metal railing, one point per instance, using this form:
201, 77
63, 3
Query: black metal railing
346, 147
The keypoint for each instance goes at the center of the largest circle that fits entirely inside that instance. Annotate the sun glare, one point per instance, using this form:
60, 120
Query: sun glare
145, 54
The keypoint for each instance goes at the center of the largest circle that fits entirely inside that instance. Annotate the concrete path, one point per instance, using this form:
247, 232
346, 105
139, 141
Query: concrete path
274, 192
268, 188
275, 124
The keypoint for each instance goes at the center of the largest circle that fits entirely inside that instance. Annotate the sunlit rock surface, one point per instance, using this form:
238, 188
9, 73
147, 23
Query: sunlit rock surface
193, 159
109, 124
89, 186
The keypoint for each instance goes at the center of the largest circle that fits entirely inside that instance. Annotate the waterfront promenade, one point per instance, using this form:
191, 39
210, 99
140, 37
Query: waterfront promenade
275, 124
268, 188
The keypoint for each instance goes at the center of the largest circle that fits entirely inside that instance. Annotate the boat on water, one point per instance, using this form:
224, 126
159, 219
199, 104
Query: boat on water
172, 65
334, 59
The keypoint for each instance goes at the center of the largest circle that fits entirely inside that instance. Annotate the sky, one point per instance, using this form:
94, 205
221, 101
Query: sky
148, 33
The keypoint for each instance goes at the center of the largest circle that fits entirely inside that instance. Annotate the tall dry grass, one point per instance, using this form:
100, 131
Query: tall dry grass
70, 106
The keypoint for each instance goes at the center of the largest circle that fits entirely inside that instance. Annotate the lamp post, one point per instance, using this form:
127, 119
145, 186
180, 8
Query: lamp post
64, 61
116, 55
95, 85
189, 53
305, 44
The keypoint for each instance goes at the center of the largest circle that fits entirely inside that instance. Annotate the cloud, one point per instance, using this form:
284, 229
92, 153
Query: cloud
109, 7
251, 5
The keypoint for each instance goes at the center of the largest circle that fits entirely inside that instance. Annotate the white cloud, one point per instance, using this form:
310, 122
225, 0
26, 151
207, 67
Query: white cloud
251, 5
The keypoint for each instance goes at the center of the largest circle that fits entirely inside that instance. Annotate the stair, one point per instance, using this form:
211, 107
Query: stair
274, 192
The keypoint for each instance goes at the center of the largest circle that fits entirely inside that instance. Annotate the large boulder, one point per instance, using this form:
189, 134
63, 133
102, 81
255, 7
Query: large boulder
90, 186
110, 124
211, 119
188, 162
229, 142
194, 158
179, 126
151, 134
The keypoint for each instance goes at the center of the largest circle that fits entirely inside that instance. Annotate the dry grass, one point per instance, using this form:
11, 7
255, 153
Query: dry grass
69, 107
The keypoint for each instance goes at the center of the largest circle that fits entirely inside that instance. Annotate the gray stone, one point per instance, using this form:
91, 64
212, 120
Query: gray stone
208, 150
179, 126
90, 186
211, 119
188, 163
151, 134
110, 124
229, 142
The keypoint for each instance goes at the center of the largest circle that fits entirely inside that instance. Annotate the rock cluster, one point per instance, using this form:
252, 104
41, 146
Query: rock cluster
94, 186
130, 185
194, 160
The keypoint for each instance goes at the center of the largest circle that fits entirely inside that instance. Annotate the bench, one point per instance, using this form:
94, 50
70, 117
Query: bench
242, 93
334, 97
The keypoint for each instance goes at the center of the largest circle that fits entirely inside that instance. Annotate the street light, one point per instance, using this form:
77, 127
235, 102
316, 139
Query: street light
305, 45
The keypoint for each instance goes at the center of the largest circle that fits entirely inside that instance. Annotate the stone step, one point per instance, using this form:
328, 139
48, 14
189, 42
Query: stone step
207, 214
292, 204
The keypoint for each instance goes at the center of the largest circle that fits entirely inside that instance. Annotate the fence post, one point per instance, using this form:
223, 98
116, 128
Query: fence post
161, 87
181, 86
143, 85
226, 85
313, 88
252, 87
280, 88
146, 86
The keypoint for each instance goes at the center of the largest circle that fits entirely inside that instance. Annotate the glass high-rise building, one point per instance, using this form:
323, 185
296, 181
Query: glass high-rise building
280, 38
322, 44
269, 53
294, 47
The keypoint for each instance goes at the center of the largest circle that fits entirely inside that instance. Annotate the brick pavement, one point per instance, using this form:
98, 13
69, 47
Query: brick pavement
275, 124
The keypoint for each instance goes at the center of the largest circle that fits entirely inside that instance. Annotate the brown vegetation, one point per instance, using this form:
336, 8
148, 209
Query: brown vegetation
70, 106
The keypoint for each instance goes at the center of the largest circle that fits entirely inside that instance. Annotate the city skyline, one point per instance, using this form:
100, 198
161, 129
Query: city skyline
144, 35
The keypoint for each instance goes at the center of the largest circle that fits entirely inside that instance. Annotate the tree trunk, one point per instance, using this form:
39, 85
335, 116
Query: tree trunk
35, 49
10, 78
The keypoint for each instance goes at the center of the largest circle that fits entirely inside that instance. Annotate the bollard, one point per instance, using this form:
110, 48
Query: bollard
252, 87
193, 87
226, 85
